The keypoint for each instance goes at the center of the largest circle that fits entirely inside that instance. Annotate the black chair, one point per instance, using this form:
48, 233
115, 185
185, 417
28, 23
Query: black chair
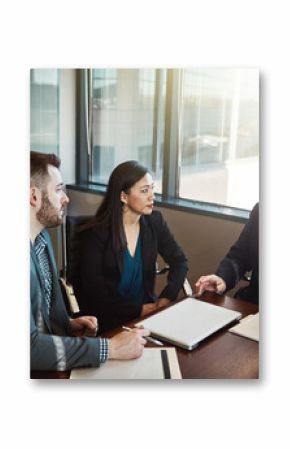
70, 254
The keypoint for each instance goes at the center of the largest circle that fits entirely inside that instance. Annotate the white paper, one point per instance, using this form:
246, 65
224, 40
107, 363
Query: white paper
248, 327
148, 366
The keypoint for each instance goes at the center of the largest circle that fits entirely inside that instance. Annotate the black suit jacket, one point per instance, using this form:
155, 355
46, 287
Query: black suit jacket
99, 274
242, 257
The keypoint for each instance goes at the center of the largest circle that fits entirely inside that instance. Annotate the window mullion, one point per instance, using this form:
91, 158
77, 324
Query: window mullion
82, 147
172, 147
157, 120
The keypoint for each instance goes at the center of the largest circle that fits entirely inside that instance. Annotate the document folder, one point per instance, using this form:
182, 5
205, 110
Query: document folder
189, 322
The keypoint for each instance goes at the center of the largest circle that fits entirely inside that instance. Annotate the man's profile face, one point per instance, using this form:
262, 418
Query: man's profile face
53, 200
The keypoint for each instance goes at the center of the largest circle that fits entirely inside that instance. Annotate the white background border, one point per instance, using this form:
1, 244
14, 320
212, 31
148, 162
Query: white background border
209, 414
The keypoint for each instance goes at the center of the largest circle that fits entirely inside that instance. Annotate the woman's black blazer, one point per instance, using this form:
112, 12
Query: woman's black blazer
99, 274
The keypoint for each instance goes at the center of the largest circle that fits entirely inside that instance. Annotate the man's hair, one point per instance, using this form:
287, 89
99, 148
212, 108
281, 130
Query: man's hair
39, 163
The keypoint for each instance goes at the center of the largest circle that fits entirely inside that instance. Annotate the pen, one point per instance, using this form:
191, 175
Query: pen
152, 340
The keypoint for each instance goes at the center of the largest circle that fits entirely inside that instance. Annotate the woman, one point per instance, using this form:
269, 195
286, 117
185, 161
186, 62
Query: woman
119, 248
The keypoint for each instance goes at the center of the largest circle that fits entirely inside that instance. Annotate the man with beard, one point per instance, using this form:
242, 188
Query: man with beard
59, 342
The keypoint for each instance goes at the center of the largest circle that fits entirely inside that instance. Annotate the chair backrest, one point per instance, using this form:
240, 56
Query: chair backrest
72, 244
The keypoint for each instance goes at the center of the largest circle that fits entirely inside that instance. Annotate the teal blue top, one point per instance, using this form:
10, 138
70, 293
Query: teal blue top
131, 283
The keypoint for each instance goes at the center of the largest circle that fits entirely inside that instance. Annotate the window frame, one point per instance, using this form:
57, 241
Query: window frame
171, 158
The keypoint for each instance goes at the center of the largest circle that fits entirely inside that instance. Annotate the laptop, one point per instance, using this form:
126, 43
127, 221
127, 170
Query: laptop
189, 322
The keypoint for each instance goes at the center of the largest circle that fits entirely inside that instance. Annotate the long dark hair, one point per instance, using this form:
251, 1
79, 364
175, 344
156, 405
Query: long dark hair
122, 178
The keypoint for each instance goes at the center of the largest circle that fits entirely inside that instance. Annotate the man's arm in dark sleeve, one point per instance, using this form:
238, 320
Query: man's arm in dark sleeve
238, 259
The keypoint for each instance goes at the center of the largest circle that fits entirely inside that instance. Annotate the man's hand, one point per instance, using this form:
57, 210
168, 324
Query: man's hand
84, 326
212, 283
128, 345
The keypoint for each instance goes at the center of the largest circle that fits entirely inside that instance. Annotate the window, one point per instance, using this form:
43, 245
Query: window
197, 130
220, 136
126, 104
44, 110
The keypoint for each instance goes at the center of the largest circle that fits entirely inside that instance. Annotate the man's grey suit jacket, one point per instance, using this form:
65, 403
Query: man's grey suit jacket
51, 346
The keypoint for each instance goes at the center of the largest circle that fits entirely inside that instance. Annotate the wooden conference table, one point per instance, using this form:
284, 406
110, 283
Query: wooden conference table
222, 356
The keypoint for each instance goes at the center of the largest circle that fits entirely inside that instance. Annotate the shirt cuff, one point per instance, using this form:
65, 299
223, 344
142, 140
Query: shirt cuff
104, 349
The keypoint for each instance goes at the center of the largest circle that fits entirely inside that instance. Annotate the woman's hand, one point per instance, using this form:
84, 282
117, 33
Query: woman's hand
162, 302
148, 308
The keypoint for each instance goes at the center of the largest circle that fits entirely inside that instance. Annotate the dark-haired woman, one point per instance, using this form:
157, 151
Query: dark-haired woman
119, 250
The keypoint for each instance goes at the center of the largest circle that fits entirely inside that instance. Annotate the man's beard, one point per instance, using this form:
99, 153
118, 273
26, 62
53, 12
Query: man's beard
48, 215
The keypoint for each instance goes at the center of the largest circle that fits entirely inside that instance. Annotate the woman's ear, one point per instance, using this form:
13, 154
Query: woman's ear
123, 197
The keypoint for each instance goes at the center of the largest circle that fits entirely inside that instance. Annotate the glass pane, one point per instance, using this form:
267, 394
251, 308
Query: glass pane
125, 105
44, 110
220, 136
